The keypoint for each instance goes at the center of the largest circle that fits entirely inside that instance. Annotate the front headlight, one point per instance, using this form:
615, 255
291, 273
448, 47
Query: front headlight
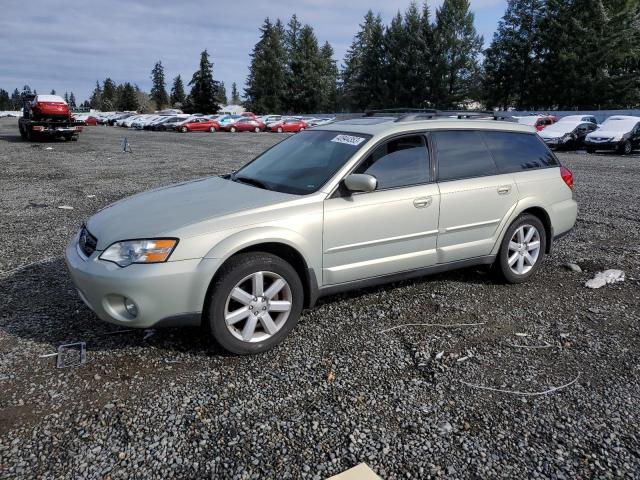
125, 253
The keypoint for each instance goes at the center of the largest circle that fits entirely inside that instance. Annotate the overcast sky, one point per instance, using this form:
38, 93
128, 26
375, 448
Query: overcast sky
68, 45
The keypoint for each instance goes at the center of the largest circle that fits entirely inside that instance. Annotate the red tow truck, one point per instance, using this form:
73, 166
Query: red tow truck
47, 116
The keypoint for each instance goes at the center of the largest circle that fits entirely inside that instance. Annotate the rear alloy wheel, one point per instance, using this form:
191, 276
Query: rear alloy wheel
184, 129
232, 129
256, 301
257, 129
212, 129
522, 249
626, 148
280, 130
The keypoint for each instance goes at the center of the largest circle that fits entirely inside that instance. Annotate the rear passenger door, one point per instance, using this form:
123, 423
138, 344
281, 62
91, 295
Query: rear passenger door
475, 199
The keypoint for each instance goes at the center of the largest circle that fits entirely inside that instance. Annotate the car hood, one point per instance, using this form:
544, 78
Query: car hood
606, 133
162, 211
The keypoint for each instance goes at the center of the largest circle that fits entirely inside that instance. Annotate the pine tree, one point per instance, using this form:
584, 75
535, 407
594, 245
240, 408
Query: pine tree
292, 98
178, 96
512, 62
222, 94
16, 100
204, 89
364, 79
328, 80
53, 92
66, 97
96, 97
158, 88
109, 96
5, 101
127, 99
72, 101
306, 72
265, 86
235, 95
458, 47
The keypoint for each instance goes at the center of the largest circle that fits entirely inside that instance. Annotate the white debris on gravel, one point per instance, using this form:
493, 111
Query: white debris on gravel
603, 278
573, 267
65, 207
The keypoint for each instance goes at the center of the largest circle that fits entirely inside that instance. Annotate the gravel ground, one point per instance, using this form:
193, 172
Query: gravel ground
339, 391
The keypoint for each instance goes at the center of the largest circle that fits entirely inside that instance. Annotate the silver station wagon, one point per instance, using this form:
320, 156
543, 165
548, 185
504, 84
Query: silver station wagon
337, 207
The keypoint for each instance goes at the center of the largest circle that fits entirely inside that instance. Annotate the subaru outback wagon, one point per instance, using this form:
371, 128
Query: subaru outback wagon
338, 207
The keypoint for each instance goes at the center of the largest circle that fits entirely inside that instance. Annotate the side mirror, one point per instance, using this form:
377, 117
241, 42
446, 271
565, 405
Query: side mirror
360, 182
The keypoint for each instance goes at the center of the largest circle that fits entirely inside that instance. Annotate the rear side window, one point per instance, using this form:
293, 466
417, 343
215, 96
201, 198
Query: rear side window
398, 163
462, 154
514, 152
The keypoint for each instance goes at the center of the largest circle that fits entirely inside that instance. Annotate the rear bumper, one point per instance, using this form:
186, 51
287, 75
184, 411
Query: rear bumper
165, 294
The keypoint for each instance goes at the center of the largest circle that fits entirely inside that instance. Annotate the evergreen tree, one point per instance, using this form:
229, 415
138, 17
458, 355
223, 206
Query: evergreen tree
235, 95
328, 80
53, 92
222, 94
5, 101
458, 47
66, 97
158, 88
306, 72
266, 81
512, 62
16, 100
96, 97
110, 97
204, 90
26, 89
72, 101
292, 98
364, 79
178, 96
127, 98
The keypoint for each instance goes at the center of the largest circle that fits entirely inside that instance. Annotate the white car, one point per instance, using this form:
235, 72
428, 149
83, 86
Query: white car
618, 132
568, 133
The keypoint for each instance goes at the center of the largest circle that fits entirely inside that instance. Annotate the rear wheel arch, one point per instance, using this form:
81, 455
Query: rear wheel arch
543, 216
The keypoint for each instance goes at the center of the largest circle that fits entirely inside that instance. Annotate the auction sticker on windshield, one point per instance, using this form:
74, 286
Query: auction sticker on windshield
348, 139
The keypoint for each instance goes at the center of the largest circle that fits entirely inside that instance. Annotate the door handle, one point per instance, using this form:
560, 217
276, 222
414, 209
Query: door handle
504, 189
422, 202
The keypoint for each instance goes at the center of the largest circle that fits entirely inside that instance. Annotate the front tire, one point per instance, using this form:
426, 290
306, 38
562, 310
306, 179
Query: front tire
591, 150
522, 249
184, 129
626, 148
255, 301
233, 130
257, 129
212, 129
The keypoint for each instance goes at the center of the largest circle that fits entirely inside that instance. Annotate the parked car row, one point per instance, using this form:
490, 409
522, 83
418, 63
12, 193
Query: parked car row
184, 123
619, 133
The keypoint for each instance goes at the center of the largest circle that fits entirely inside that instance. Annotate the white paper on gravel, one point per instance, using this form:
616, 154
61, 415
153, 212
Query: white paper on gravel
603, 278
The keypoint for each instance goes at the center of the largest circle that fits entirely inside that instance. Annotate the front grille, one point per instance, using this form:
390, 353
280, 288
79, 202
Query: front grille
87, 242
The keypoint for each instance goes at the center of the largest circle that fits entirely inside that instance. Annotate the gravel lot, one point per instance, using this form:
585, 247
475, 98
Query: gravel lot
339, 391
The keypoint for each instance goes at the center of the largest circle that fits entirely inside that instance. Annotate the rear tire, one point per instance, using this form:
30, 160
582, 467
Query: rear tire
212, 129
257, 129
591, 150
519, 257
280, 130
232, 129
232, 319
23, 134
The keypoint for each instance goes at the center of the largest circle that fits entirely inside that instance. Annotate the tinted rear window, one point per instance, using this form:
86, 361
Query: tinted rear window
514, 152
462, 154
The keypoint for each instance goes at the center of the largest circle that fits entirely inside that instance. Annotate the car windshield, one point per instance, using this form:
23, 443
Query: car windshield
528, 120
302, 163
619, 124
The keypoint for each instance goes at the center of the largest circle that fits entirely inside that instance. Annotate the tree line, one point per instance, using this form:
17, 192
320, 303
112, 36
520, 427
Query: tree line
14, 101
545, 54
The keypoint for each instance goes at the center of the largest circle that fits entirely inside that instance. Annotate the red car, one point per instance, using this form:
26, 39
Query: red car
291, 126
248, 114
201, 124
539, 122
246, 125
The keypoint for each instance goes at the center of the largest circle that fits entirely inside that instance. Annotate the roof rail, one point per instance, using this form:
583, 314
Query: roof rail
399, 111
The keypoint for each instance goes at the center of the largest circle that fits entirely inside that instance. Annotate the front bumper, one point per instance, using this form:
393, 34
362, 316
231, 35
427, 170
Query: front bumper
602, 145
166, 294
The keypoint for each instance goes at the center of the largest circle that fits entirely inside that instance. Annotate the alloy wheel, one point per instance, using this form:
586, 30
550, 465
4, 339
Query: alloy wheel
524, 249
258, 306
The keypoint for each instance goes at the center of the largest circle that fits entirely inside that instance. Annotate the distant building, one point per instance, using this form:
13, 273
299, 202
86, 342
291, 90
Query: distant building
232, 109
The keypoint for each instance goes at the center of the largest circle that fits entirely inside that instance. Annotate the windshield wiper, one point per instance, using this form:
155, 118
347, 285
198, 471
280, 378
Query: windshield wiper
250, 181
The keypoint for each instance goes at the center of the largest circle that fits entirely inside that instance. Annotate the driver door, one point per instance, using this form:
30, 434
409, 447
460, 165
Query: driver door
390, 230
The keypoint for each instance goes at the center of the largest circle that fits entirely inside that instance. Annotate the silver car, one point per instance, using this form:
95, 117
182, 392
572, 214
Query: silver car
338, 207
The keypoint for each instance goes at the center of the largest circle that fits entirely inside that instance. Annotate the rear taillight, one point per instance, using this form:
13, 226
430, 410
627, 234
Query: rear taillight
567, 176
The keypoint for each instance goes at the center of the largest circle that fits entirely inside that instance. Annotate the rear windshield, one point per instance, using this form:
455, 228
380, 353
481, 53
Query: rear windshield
303, 163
